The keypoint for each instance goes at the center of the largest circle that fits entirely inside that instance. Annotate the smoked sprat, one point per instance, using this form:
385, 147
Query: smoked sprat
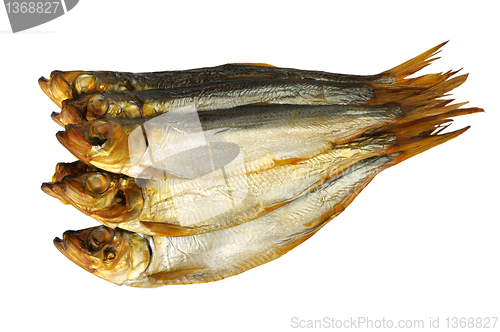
198, 175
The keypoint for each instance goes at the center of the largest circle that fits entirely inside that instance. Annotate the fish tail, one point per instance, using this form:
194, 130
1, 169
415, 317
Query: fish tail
423, 142
410, 141
432, 94
418, 136
428, 104
392, 93
399, 73
428, 80
433, 86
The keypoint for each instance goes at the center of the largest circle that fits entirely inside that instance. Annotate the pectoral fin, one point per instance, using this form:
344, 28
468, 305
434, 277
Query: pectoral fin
164, 276
163, 229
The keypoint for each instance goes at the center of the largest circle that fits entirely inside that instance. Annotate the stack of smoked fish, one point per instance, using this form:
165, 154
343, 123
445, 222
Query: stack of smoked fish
202, 174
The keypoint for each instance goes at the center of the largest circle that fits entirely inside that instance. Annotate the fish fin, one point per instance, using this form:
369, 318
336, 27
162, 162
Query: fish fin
165, 276
439, 111
431, 94
421, 90
413, 65
273, 207
422, 131
426, 104
251, 76
429, 80
419, 144
392, 93
164, 229
252, 64
411, 140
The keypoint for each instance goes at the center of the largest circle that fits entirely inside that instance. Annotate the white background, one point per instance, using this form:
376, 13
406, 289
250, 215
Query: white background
421, 241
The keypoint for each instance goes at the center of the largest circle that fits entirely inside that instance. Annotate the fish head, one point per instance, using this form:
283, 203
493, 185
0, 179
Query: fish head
102, 143
75, 167
109, 198
60, 85
114, 255
72, 111
87, 107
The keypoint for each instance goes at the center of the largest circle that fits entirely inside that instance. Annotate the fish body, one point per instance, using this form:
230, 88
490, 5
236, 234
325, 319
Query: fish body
72, 84
186, 143
158, 261
126, 258
221, 95
217, 255
189, 144
178, 207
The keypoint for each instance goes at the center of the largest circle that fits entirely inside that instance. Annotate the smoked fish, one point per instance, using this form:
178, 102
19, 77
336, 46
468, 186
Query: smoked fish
179, 207
128, 258
64, 85
188, 144
228, 94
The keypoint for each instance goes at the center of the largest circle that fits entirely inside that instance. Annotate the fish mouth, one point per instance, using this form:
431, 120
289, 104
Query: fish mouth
72, 246
47, 88
56, 116
64, 169
58, 87
69, 114
75, 141
49, 189
60, 245
70, 192
58, 190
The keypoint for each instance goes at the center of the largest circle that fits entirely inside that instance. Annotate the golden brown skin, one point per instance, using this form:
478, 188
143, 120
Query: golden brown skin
115, 256
75, 167
110, 198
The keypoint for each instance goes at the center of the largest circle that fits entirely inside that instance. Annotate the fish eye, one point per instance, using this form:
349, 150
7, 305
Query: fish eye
120, 198
98, 104
84, 83
101, 128
97, 183
99, 237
